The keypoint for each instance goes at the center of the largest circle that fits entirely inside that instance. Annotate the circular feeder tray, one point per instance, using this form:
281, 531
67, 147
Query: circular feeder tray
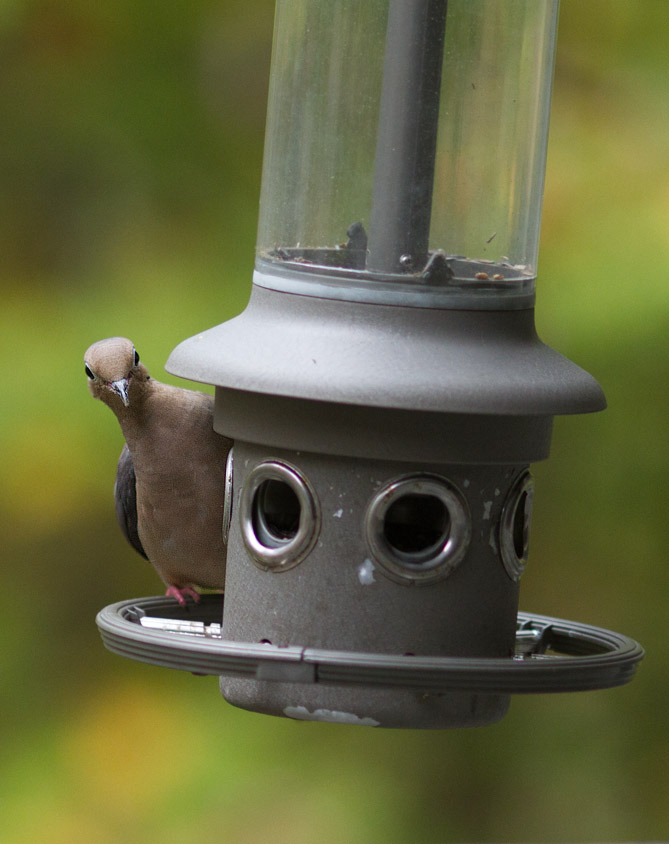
552, 655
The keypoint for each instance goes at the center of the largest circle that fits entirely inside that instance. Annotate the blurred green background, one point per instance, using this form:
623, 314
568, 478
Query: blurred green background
129, 177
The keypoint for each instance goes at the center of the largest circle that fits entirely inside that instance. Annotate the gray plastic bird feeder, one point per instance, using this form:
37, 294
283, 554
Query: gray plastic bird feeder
385, 387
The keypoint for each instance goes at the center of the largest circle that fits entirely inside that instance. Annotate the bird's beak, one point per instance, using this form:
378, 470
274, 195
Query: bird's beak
121, 389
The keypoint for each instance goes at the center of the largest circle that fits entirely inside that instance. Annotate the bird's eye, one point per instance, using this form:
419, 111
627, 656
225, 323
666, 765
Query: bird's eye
89, 372
136, 358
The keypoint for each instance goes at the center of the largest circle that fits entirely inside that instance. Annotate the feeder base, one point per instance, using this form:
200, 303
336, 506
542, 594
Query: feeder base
367, 707
346, 687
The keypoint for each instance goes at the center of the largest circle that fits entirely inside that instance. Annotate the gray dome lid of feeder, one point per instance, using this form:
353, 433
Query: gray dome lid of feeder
430, 359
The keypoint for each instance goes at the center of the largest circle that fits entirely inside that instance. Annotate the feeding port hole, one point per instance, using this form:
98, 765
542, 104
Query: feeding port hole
279, 516
275, 513
515, 526
418, 528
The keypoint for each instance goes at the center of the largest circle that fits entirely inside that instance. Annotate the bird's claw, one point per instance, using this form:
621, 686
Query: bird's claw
180, 594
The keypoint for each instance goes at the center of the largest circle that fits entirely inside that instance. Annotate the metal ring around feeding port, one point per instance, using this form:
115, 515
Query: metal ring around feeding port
514, 528
227, 493
418, 528
279, 515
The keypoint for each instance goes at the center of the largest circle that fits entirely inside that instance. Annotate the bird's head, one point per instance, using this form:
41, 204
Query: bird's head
115, 374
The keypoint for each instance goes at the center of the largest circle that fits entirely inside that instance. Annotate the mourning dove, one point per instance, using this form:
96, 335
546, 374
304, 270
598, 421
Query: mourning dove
170, 482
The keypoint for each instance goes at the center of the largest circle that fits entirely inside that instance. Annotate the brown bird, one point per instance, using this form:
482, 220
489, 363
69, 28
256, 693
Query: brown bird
170, 483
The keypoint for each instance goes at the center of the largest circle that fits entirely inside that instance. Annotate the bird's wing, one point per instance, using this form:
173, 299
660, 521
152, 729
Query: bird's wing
125, 496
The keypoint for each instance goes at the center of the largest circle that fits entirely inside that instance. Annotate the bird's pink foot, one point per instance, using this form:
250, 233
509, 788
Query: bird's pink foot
180, 594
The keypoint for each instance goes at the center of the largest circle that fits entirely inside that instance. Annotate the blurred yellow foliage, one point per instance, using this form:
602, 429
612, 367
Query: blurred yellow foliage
128, 749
